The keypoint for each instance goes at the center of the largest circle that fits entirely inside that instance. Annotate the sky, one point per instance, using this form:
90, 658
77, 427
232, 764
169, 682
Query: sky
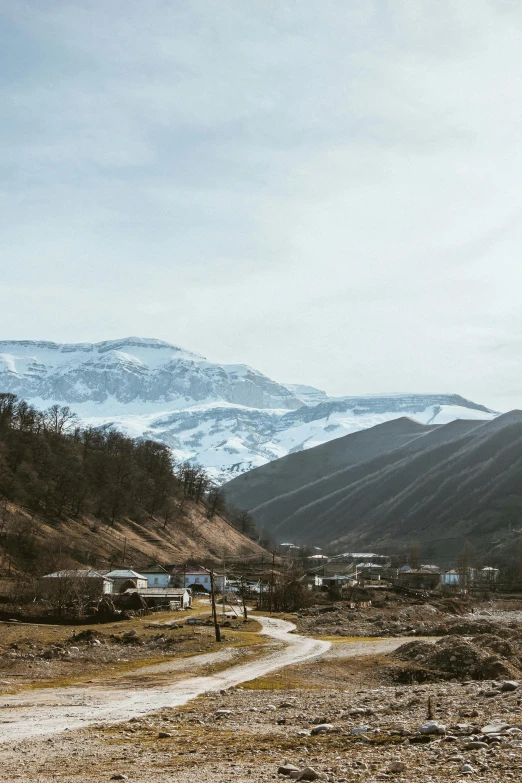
327, 190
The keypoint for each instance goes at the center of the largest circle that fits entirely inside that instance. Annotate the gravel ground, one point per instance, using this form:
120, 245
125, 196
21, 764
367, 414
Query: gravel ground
338, 714
246, 734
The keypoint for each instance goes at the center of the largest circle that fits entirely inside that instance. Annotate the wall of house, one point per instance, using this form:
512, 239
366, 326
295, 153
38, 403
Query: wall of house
140, 583
157, 580
187, 580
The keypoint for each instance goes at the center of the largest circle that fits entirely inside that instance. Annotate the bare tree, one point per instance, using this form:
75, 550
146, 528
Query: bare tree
215, 501
59, 420
415, 554
70, 592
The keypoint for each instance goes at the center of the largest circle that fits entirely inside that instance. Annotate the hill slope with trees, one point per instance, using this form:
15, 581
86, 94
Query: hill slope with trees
96, 497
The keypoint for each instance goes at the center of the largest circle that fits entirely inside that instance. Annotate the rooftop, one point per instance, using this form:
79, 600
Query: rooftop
79, 573
188, 570
155, 568
163, 592
124, 573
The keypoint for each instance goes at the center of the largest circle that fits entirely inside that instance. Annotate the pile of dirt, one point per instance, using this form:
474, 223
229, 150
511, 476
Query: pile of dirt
454, 605
84, 637
483, 657
469, 627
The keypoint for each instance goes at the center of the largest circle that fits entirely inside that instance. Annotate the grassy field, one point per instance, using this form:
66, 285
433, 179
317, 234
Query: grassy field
22, 648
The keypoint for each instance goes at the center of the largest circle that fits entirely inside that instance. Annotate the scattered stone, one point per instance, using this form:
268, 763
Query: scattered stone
164, 734
129, 634
309, 773
359, 730
509, 685
475, 745
323, 728
467, 769
494, 728
286, 769
433, 727
397, 766
118, 776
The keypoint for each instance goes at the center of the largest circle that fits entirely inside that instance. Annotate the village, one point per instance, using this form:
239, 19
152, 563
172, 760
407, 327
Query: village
348, 667
172, 587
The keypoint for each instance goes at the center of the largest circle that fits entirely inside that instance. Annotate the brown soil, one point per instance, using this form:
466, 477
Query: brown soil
52, 655
87, 541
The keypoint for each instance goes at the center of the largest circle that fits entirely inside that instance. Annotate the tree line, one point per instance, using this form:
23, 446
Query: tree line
54, 467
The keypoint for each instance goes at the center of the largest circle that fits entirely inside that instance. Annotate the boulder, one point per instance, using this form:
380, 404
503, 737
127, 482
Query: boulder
286, 769
309, 773
433, 727
323, 728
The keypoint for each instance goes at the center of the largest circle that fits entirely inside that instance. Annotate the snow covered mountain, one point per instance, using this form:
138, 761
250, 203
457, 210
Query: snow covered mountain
137, 372
229, 418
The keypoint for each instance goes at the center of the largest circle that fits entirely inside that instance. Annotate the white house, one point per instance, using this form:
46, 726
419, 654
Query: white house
156, 575
98, 584
196, 577
167, 597
121, 575
489, 574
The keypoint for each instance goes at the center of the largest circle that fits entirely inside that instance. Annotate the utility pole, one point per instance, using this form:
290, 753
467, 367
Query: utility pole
124, 549
224, 583
213, 601
272, 583
245, 616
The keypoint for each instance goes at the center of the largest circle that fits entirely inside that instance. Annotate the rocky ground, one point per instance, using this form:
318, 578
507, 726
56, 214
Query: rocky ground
50, 653
392, 614
435, 710
310, 716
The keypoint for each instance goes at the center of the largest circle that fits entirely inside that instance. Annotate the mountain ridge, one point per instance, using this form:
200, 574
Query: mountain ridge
455, 482
228, 417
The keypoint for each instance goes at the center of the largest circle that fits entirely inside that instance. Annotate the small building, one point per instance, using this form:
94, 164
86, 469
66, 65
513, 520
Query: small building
450, 578
122, 575
167, 597
196, 577
488, 574
97, 585
337, 580
370, 572
433, 569
356, 557
418, 578
156, 575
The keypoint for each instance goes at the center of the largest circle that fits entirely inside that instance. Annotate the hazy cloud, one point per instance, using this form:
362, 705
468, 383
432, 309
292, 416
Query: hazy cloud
328, 191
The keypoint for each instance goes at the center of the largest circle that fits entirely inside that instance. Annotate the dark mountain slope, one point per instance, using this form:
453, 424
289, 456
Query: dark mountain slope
276, 492
297, 471
458, 481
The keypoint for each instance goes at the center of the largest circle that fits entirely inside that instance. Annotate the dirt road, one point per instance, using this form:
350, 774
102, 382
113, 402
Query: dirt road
53, 710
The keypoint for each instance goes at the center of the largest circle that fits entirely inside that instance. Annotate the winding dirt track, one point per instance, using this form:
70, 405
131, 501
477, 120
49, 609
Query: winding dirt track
53, 710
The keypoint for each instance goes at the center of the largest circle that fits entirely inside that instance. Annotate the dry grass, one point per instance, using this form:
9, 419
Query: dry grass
44, 633
102, 664
337, 673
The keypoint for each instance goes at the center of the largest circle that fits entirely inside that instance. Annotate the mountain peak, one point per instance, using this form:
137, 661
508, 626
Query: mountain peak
228, 417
